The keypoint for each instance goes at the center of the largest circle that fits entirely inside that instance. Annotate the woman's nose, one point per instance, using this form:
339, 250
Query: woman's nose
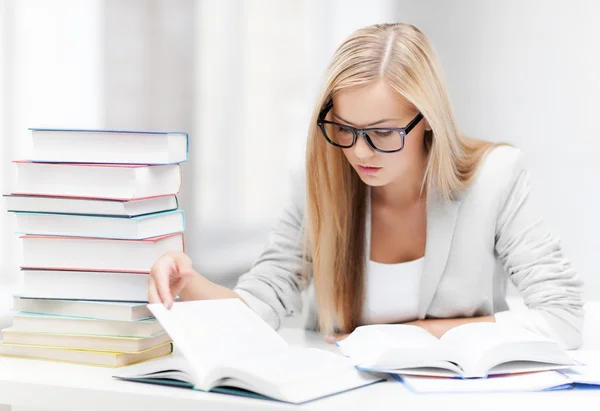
362, 150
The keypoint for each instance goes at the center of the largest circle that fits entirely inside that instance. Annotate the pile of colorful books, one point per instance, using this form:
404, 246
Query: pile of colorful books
96, 209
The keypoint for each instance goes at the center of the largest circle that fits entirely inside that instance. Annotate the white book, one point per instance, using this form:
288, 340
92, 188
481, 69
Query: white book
472, 350
125, 228
226, 347
84, 342
46, 323
104, 181
85, 285
96, 254
525, 382
108, 146
87, 206
106, 310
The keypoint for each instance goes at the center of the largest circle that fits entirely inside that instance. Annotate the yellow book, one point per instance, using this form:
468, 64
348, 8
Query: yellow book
83, 357
83, 341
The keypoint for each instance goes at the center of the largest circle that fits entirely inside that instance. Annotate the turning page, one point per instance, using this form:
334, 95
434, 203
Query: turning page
212, 333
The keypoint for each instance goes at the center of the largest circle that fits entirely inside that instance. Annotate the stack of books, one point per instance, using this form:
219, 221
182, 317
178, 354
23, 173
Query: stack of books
96, 209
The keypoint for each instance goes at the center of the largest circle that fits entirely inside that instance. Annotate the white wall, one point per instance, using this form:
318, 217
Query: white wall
528, 73
50, 78
258, 66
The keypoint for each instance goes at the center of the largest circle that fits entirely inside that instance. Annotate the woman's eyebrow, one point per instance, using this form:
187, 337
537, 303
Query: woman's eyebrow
368, 125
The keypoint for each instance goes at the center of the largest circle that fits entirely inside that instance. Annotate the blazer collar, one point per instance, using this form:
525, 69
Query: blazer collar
441, 220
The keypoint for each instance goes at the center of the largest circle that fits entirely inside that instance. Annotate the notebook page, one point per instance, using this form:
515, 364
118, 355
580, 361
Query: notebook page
214, 332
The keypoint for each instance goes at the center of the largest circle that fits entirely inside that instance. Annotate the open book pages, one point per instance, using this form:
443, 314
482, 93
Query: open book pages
224, 344
470, 350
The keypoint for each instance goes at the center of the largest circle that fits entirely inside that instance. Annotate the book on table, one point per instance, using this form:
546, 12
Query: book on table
225, 347
48, 323
97, 181
85, 357
96, 254
123, 228
108, 146
112, 343
88, 206
522, 382
99, 309
85, 285
473, 350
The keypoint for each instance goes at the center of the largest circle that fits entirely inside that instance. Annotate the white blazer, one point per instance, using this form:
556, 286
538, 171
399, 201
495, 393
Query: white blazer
473, 246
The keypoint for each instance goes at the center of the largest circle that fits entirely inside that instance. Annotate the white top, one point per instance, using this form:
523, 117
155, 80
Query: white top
392, 292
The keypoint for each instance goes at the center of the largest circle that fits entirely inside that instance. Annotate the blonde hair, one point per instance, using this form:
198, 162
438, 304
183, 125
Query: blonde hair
401, 55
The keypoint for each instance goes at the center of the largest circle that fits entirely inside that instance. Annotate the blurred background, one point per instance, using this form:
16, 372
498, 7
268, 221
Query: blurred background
241, 78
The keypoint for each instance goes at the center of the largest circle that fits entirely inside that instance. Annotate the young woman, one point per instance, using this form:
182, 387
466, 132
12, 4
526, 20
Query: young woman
399, 218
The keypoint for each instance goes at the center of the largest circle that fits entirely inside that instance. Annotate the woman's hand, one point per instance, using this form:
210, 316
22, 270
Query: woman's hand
439, 327
332, 338
436, 327
168, 277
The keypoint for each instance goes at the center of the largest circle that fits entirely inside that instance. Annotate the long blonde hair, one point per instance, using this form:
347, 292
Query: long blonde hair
401, 55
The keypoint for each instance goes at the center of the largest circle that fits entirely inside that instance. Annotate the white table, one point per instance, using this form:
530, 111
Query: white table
30, 384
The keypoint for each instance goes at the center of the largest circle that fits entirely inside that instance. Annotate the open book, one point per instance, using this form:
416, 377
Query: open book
225, 347
470, 350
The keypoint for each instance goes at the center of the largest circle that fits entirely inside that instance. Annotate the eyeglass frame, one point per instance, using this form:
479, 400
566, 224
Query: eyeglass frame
402, 131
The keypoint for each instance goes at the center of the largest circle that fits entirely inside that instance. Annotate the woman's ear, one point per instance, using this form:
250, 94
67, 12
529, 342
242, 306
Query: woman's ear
427, 126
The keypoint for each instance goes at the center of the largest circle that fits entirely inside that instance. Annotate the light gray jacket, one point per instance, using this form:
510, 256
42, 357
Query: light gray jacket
473, 245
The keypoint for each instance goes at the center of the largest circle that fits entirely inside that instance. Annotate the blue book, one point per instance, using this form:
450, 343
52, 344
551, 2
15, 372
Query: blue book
105, 310
108, 146
115, 227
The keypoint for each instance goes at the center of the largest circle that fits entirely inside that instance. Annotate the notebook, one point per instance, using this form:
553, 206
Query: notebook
108, 146
226, 347
472, 350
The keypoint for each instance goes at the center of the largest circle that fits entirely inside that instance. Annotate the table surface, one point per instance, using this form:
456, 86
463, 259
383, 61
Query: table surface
33, 384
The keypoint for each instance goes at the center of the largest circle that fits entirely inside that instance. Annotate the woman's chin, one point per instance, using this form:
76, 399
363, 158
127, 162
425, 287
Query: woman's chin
372, 180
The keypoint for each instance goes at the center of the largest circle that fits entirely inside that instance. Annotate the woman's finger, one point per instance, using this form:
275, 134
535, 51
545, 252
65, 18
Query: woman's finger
162, 271
153, 297
332, 338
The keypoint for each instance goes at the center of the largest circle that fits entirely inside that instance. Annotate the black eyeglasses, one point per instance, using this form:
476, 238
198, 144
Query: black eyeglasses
384, 140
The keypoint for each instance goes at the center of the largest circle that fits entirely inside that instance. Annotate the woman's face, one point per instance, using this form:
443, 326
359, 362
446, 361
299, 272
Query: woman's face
377, 105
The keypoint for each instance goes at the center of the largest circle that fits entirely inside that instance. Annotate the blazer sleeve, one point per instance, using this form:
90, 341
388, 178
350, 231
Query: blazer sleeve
533, 258
273, 286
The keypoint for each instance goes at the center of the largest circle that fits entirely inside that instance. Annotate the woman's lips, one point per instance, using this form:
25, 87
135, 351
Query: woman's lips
367, 170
